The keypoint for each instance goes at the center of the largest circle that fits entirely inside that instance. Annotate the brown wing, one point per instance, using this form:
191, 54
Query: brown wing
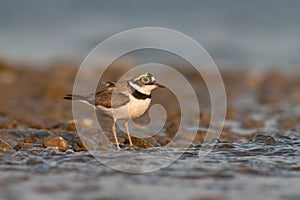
110, 99
109, 96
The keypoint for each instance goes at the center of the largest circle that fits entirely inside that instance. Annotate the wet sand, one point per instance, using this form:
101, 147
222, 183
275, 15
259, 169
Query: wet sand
256, 156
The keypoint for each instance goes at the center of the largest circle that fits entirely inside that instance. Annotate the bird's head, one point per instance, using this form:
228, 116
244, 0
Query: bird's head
144, 83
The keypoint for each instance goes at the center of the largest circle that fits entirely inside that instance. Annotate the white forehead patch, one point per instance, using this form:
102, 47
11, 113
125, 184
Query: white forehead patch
140, 76
144, 75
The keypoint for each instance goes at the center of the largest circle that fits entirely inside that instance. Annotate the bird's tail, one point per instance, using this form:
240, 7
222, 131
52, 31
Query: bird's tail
79, 98
75, 97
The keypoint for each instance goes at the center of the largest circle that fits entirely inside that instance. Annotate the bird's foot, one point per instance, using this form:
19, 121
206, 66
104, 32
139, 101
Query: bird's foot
128, 142
120, 146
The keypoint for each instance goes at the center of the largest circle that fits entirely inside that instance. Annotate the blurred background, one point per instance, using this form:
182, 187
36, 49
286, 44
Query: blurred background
256, 45
256, 34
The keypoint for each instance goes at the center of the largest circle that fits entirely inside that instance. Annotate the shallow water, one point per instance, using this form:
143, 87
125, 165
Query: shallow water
244, 170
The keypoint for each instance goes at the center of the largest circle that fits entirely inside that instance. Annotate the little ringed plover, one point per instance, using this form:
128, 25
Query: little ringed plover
127, 99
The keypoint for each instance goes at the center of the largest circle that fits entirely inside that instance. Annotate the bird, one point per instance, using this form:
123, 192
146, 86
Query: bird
126, 99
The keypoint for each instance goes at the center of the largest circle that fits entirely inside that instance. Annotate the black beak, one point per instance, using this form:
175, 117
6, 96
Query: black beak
159, 85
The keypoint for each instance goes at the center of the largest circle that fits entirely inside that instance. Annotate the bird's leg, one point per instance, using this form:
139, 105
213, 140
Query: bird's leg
127, 130
113, 128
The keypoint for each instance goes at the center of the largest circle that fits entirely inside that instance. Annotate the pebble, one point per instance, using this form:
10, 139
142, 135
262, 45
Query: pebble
56, 142
24, 146
41, 134
264, 139
223, 146
79, 146
5, 146
139, 142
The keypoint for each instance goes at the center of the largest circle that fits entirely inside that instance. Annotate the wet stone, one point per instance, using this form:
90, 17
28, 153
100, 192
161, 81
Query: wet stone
264, 139
223, 146
56, 142
41, 134
29, 140
79, 146
139, 142
23, 146
5, 146
70, 137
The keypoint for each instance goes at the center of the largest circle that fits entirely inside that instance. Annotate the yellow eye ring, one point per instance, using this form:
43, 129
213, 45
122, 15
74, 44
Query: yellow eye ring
146, 80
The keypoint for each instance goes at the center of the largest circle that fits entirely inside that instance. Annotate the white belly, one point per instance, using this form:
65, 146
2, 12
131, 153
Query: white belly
135, 108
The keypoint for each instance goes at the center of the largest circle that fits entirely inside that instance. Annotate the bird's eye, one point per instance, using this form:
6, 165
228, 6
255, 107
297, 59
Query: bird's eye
146, 80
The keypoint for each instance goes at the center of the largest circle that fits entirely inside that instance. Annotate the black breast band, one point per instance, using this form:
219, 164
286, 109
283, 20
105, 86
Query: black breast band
139, 95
